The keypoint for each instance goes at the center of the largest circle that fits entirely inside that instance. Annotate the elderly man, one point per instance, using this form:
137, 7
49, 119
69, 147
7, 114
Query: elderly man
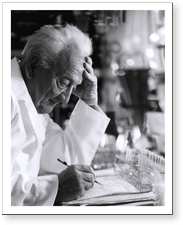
55, 63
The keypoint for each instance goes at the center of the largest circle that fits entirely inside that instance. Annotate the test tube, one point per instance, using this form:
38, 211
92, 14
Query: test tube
150, 160
147, 158
162, 163
156, 161
153, 159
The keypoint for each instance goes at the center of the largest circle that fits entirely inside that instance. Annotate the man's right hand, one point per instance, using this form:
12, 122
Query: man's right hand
74, 182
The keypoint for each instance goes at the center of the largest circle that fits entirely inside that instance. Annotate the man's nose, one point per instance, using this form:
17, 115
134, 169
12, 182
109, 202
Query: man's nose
65, 95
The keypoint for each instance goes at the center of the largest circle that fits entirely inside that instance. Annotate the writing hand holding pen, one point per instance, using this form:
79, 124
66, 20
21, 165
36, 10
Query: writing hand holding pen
74, 181
63, 162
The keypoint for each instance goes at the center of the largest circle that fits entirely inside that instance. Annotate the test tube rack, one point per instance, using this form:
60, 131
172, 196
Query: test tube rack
140, 168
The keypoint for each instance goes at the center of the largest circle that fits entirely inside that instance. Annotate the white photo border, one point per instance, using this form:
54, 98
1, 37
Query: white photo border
6, 82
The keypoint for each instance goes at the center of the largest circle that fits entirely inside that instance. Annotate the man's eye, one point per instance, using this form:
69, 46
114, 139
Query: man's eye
58, 84
62, 84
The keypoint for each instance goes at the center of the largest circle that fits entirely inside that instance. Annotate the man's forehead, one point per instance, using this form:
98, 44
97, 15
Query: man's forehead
75, 77
76, 65
71, 66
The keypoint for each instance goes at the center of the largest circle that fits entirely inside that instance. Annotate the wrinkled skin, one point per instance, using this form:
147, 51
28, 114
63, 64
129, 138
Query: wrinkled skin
74, 182
48, 87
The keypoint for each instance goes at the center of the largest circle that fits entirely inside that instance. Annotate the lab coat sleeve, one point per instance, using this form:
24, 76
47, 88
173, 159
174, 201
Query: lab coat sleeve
78, 143
33, 191
25, 189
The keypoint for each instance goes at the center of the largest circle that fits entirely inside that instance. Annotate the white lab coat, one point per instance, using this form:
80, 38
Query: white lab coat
37, 142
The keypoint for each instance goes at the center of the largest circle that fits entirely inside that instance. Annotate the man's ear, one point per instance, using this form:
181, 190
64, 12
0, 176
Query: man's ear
32, 65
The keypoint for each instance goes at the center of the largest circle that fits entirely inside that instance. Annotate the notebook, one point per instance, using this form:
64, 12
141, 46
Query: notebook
114, 190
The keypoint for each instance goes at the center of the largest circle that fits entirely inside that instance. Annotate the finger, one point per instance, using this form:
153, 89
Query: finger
88, 177
85, 168
88, 68
88, 185
88, 60
93, 173
90, 77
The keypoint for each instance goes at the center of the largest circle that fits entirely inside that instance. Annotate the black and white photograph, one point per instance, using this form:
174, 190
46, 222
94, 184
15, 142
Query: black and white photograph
91, 127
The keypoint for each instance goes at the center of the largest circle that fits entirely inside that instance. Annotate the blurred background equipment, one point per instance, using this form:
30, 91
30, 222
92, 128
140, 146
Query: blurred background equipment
128, 60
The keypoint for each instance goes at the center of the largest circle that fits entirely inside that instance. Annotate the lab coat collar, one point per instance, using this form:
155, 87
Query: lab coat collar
19, 87
20, 90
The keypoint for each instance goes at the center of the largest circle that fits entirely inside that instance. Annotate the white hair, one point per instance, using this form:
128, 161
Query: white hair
49, 42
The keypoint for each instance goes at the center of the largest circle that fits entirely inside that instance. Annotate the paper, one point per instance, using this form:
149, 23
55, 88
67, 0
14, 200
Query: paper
114, 190
138, 198
110, 185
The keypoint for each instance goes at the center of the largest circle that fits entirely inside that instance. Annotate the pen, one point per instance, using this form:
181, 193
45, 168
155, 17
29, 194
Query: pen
63, 162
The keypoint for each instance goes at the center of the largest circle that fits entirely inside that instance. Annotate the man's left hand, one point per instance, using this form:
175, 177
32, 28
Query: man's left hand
87, 90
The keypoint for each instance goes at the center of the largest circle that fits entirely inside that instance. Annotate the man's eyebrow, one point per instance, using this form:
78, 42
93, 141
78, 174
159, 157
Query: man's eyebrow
77, 80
